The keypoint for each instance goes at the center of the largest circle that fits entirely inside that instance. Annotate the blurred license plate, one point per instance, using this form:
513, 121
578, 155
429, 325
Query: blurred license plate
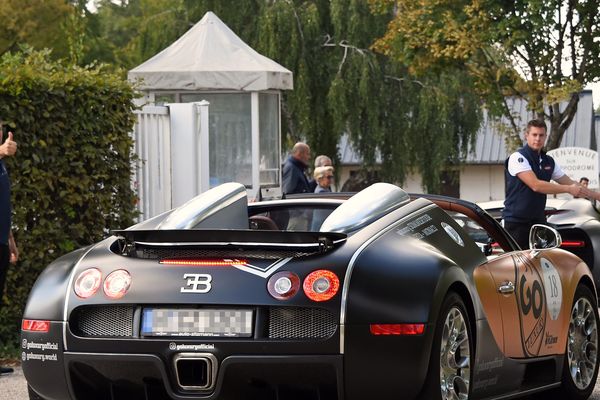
197, 322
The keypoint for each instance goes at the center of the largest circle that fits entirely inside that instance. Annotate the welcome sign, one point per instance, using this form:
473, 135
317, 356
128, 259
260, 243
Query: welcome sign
578, 162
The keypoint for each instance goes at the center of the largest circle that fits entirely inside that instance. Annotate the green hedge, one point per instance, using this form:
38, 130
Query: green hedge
71, 174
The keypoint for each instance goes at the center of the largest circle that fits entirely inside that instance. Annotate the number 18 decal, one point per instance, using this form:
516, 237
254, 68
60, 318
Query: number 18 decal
552, 287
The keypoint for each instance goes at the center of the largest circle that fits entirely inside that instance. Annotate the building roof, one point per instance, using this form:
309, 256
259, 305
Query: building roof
490, 147
210, 56
349, 156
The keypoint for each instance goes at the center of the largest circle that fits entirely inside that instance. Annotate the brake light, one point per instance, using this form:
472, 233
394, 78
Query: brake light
321, 285
204, 262
32, 325
573, 243
87, 283
283, 285
397, 329
117, 284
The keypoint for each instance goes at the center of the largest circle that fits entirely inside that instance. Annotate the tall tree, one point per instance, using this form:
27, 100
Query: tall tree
39, 24
340, 85
542, 51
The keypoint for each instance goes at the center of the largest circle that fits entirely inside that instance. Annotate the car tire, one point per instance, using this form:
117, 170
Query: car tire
580, 367
33, 395
451, 353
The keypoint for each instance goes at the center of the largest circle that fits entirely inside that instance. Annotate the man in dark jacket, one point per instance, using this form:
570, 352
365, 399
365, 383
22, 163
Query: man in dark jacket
528, 172
294, 180
8, 248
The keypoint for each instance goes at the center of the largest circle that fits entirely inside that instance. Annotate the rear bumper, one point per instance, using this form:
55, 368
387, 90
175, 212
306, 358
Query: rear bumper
145, 376
149, 369
372, 367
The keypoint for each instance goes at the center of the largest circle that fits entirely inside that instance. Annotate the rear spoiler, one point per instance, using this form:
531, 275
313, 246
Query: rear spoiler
232, 238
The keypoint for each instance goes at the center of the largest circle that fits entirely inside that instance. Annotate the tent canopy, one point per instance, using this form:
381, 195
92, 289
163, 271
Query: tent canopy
211, 56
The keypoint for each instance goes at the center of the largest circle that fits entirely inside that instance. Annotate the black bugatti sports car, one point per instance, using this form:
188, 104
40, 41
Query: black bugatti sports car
370, 296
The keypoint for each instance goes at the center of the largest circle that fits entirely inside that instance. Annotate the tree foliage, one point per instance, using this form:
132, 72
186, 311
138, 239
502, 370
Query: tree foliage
543, 51
71, 175
39, 24
340, 85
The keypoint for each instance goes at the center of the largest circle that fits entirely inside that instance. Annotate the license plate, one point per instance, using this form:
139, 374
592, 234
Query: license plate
197, 322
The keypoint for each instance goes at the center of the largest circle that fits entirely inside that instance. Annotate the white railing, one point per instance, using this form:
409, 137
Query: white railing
152, 175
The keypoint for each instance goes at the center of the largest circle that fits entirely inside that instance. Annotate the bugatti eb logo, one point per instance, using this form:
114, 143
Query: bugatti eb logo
197, 283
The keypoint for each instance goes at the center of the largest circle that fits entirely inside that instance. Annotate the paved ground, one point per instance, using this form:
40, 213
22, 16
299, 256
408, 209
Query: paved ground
13, 387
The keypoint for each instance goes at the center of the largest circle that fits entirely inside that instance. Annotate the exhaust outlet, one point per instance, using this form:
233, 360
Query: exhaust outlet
195, 371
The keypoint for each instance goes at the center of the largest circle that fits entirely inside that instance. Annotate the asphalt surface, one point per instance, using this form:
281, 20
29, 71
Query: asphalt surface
14, 387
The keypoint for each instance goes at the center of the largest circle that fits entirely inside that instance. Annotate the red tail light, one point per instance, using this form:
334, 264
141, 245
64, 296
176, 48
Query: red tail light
204, 262
32, 325
397, 329
573, 243
117, 284
321, 285
87, 283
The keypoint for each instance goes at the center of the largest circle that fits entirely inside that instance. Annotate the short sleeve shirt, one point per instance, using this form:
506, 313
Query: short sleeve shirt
517, 164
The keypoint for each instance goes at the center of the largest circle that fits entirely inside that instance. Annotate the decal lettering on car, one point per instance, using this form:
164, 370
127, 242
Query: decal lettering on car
412, 225
197, 283
531, 305
190, 347
552, 287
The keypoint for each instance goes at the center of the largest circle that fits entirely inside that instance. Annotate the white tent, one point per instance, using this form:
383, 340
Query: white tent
211, 56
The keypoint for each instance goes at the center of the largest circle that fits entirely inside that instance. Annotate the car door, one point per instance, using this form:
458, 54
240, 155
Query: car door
529, 298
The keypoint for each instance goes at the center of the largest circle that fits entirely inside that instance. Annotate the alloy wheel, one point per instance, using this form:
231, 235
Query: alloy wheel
582, 345
455, 360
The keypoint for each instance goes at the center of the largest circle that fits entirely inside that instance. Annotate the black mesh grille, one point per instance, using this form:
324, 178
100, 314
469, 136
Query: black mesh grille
163, 253
103, 321
293, 323
301, 323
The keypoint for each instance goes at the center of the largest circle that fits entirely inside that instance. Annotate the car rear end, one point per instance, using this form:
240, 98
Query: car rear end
196, 314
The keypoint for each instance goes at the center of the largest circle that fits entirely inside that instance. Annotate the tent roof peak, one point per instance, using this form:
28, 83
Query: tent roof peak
210, 56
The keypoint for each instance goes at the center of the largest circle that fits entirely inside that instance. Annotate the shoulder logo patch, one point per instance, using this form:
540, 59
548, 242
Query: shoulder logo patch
520, 159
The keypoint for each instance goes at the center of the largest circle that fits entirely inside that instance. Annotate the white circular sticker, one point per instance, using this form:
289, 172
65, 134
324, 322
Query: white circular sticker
453, 234
552, 287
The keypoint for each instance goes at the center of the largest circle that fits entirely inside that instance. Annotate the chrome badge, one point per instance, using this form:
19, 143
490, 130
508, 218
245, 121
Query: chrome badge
197, 283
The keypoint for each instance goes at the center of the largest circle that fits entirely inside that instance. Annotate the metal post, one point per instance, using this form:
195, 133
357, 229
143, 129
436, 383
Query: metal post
255, 115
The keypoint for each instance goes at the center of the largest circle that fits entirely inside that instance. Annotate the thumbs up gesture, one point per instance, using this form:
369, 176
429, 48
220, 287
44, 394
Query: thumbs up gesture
9, 147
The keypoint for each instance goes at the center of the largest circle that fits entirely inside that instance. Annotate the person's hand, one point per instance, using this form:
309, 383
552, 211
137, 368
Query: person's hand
9, 147
576, 190
590, 194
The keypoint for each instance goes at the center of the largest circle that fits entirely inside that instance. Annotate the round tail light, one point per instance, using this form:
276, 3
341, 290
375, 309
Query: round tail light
117, 284
321, 285
283, 285
88, 282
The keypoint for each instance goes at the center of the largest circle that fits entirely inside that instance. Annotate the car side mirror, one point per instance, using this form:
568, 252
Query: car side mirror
543, 237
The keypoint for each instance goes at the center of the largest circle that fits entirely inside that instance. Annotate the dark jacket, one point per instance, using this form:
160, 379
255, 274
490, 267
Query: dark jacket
294, 180
521, 203
5, 210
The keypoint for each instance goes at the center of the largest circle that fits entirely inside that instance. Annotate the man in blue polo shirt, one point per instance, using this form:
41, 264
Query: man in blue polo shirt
528, 172
8, 248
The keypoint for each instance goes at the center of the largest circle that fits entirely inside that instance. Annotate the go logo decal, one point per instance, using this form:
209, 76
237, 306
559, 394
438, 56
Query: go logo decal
531, 298
531, 304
